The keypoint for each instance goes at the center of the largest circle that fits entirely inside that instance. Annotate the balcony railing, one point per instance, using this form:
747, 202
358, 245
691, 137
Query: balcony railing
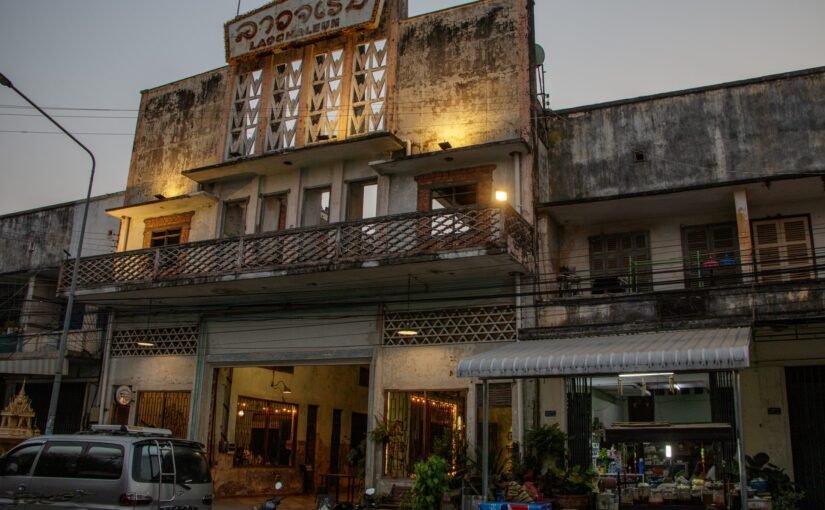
401, 236
85, 341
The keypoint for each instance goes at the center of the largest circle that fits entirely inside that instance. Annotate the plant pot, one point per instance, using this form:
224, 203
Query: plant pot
571, 501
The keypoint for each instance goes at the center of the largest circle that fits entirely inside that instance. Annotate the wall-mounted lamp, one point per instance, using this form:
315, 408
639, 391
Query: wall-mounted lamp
501, 195
283, 386
445, 145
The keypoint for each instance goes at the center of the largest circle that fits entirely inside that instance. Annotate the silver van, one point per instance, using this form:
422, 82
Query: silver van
110, 467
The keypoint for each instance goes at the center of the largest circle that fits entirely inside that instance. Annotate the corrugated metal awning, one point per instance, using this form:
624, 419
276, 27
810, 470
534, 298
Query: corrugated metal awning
679, 350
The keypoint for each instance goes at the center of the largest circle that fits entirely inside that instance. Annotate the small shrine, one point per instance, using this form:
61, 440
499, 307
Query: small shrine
17, 421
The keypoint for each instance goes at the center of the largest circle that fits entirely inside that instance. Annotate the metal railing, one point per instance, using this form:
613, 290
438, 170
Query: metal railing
389, 237
81, 341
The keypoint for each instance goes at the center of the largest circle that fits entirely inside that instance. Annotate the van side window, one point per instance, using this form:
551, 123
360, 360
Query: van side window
189, 461
20, 461
59, 460
102, 462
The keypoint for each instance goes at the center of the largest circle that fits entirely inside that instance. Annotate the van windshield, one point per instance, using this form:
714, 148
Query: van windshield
190, 463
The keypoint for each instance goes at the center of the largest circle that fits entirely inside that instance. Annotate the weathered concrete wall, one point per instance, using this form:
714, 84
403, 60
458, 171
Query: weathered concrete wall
180, 126
464, 75
747, 130
36, 239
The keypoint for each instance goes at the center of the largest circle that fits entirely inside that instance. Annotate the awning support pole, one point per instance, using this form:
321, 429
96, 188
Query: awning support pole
485, 439
740, 440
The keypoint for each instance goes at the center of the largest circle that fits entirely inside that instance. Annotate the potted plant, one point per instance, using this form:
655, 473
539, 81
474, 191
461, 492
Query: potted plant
785, 494
574, 488
431, 482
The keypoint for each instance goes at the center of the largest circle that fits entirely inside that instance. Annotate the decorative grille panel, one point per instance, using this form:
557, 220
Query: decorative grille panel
178, 341
325, 97
245, 110
464, 325
369, 87
286, 106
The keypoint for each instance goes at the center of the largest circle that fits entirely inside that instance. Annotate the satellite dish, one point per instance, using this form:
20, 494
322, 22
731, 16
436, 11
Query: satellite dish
539, 55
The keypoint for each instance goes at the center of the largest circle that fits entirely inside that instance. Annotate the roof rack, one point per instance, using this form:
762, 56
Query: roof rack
131, 430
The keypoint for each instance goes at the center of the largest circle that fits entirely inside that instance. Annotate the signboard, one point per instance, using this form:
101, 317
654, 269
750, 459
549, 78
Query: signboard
285, 22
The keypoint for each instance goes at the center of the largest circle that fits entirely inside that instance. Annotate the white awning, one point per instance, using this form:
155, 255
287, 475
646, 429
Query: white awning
662, 351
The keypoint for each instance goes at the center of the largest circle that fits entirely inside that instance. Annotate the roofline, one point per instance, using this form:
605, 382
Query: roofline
684, 189
441, 11
62, 205
150, 89
685, 92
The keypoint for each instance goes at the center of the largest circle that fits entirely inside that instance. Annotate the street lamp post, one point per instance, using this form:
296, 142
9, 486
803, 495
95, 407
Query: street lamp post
64, 334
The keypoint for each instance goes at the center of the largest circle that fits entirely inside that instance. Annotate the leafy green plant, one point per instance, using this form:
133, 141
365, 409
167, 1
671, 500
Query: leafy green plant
786, 494
431, 482
543, 450
381, 433
576, 480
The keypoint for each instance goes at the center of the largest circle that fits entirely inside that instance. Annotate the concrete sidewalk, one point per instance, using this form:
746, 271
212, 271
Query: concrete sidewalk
298, 502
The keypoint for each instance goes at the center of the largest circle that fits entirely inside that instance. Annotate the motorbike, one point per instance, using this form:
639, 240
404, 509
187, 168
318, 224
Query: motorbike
272, 503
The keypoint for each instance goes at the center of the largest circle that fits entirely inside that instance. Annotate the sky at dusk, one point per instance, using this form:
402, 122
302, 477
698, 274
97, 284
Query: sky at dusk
88, 60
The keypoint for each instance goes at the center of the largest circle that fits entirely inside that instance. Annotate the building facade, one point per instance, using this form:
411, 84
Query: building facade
36, 243
315, 234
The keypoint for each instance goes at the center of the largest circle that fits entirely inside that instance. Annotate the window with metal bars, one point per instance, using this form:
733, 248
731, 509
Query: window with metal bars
420, 424
784, 249
620, 263
265, 432
711, 254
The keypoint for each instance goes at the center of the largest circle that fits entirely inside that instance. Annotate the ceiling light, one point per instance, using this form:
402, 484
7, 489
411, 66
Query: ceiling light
407, 332
145, 344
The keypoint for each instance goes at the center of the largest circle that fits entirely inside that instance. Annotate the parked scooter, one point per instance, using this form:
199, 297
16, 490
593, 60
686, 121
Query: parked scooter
369, 502
272, 504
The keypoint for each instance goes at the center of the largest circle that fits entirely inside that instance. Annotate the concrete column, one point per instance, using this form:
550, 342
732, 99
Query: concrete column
383, 200
743, 226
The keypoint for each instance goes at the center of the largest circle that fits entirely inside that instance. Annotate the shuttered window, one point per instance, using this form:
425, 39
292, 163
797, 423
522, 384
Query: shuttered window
784, 251
620, 263
711, 255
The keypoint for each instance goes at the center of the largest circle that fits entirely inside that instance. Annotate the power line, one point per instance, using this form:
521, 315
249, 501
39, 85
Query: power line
60, 133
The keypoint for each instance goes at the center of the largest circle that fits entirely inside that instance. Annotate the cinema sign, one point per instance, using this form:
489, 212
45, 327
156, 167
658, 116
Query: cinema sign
285, 22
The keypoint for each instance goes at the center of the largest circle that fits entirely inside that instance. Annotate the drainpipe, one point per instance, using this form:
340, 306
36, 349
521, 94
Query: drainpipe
517, 180
485, 439
103, 385
197, 385
740, 443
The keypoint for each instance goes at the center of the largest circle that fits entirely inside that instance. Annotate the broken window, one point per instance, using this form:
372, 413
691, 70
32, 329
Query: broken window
620, 263
165, 237
234, 218
369, 87
325, 97
246, 104
362, 200
273, 212
286, 102
316, 207
449, 197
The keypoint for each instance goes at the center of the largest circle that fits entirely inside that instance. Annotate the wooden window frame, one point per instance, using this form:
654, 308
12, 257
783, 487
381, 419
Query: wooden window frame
782, 247
482, 176
183, 221
637, 281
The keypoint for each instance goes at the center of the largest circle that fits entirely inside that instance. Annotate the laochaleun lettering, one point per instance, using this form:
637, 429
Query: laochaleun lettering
289, 21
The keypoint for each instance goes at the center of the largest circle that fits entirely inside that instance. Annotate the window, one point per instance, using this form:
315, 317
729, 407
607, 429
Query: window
19, 462
165, 237
273, 212
59, 460
101, 462
784, 250
167, 230
620, 263
190, 462
234, 218
449, 197
316, 207
265, 434
421, 423
362, 200
711, 255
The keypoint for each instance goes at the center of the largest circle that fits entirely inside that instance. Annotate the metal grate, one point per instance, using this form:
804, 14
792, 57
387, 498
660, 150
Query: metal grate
164, 409
463, 325
402, 235
369, 87
325, 97
243, 129
286, 106
177, 341
579, 419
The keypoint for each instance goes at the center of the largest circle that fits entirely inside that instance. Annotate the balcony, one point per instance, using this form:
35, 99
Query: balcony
37, 353
446, 236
